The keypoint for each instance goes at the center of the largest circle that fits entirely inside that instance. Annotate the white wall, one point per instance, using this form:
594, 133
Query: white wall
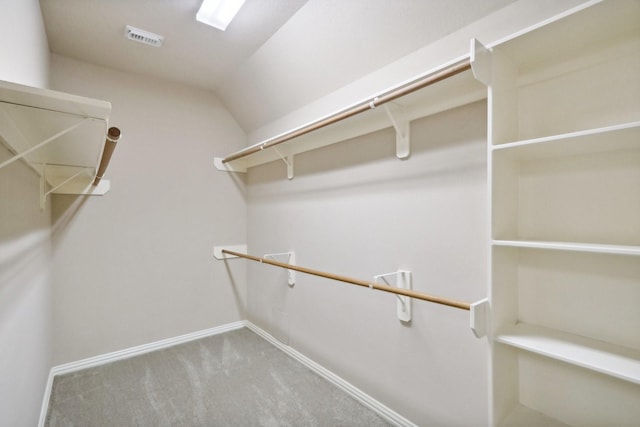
24, 50
25, 245
136, 265
355, 209
294, 112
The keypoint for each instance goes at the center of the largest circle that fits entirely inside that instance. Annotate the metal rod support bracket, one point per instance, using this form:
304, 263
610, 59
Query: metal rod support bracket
291, 274
403, 129
288, 160
402, 281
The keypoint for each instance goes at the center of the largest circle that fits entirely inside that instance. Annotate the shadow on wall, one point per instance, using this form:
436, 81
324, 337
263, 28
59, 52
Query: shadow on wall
237, 295
25, 294
24, 231
63, 210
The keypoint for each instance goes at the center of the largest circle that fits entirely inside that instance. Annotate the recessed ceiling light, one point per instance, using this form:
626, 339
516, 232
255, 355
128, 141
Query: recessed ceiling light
218, 13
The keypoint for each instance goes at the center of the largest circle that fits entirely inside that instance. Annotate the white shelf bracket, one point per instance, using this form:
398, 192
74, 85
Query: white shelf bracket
478, 317
288, 160
481, 62
403, 130
291, 277
43, 184
402, 281
239, 165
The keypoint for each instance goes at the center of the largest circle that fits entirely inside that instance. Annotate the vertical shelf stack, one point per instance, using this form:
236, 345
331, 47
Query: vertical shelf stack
564, 156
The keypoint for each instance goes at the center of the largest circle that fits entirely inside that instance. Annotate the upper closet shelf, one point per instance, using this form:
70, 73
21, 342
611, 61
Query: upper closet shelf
61, 136
439, 89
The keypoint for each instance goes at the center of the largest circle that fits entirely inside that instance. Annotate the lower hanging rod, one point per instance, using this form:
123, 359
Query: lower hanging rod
364, 283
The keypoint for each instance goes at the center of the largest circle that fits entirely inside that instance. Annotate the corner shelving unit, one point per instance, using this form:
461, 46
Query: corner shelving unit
564, 159
60, 136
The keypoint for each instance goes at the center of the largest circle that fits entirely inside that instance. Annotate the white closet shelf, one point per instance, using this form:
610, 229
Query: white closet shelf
61, 136
452, 92
571, 246
624, 136
523, 416
575, 33
613, 360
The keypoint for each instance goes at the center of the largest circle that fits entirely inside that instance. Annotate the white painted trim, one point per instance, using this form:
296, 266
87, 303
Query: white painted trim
368, 401
125, 354
142, 349
45, 400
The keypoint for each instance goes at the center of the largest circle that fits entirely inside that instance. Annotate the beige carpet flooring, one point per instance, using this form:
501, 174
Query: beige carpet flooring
232, 379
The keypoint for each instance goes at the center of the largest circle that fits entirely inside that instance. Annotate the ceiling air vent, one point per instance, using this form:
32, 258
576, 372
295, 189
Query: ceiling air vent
142, 36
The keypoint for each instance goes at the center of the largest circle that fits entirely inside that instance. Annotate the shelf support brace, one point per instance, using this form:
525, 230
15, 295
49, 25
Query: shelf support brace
43, 184
291, 277
288, 160
43, 143
403, 281
481, 62
403, 130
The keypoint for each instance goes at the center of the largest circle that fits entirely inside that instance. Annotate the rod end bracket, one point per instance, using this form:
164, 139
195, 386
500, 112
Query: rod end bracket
217, 251
479, 316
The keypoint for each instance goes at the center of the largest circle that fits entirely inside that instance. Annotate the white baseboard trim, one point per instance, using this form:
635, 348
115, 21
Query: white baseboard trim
368, 401
126, 353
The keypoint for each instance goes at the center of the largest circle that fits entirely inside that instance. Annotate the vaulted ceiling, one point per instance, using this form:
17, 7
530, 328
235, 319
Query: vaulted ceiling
283, 53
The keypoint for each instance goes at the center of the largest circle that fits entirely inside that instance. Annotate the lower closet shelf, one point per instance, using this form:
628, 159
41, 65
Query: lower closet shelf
523, 416
616, 361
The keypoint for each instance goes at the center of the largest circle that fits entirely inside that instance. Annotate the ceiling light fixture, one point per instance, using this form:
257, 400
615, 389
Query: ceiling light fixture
218, 13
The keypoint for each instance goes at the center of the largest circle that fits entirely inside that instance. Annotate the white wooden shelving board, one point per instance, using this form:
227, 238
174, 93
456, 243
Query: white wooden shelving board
609, 359
523, 416
571, 246
452, 92
30, 116
611, 138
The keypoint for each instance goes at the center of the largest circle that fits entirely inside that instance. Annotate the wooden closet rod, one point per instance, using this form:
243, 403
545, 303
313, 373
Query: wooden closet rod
418, 84
372, 285
113, 136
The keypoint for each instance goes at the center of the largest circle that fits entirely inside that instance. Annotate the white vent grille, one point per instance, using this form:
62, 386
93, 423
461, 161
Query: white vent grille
142, 36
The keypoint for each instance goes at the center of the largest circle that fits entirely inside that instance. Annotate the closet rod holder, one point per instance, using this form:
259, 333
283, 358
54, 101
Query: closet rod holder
113, 136
389, 96
364, 283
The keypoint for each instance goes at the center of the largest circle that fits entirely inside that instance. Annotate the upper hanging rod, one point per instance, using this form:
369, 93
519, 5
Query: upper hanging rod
372, 285
413, 86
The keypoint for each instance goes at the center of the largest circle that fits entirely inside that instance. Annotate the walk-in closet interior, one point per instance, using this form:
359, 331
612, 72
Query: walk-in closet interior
349, 213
